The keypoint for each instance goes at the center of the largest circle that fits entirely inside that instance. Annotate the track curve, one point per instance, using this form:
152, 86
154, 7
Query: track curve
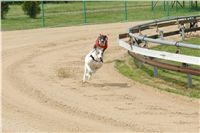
36, 98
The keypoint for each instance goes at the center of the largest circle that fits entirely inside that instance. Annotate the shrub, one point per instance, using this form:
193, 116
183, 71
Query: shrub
31, 8
4, 9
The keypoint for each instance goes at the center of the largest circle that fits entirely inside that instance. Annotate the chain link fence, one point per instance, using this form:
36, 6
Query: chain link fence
67, 13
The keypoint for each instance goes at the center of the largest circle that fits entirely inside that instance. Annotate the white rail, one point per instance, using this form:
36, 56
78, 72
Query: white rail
160, 54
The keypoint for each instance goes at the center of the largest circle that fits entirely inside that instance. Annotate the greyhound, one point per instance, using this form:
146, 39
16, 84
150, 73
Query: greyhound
94, 59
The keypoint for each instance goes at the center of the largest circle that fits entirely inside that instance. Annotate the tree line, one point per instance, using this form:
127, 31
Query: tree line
30, 8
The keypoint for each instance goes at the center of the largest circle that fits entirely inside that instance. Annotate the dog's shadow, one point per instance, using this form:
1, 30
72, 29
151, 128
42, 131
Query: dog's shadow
124, 85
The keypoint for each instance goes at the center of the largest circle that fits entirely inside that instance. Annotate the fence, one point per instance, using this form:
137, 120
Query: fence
55, 14
133, 45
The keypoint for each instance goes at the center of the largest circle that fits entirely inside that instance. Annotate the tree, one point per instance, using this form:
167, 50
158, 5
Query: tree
31, 8
4, 9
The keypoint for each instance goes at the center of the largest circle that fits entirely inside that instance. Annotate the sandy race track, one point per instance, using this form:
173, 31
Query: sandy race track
42, 89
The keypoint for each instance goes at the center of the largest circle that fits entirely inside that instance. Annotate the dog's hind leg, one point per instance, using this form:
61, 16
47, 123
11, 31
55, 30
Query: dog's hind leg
85, 73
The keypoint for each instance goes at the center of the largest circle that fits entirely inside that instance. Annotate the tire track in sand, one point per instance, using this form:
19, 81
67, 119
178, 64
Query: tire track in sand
19, 82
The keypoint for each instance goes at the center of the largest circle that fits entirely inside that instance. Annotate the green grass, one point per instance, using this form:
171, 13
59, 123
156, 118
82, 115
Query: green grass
71, 13
194, 41
169, 81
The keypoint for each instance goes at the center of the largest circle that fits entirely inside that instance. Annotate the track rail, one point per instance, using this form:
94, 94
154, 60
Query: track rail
165, 22
151, 61
184, 25
160, 54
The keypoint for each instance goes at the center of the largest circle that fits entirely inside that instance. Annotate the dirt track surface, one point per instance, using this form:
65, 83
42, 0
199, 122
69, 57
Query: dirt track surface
37, 97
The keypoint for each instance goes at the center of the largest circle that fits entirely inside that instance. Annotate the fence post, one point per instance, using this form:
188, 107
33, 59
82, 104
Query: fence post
176, 6
155, 71
152, 8
168, 9
164, 5
182, 32
190, 5
84, 12
125, 10
43, 19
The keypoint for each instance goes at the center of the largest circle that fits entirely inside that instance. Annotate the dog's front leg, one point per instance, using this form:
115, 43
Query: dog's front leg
89, 71
86, 72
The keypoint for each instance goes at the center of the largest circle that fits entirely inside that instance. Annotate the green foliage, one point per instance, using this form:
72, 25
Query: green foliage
4, 9
31, 8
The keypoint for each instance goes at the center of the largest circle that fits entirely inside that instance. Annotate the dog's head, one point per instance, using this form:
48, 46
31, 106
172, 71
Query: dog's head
103, 39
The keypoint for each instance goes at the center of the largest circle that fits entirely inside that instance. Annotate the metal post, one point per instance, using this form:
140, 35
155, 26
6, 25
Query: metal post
183, 3
168, 9
140, 64
164, 5
183, 33
155, 71
190, 5
189, 78
84, 12
196, 2
152, 5
43, 18
125, 10
161, 34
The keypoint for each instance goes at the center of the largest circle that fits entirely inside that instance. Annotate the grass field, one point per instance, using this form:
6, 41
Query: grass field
67, 14
167, 80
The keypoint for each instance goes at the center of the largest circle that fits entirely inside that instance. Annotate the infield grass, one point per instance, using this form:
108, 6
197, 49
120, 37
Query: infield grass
166, 80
